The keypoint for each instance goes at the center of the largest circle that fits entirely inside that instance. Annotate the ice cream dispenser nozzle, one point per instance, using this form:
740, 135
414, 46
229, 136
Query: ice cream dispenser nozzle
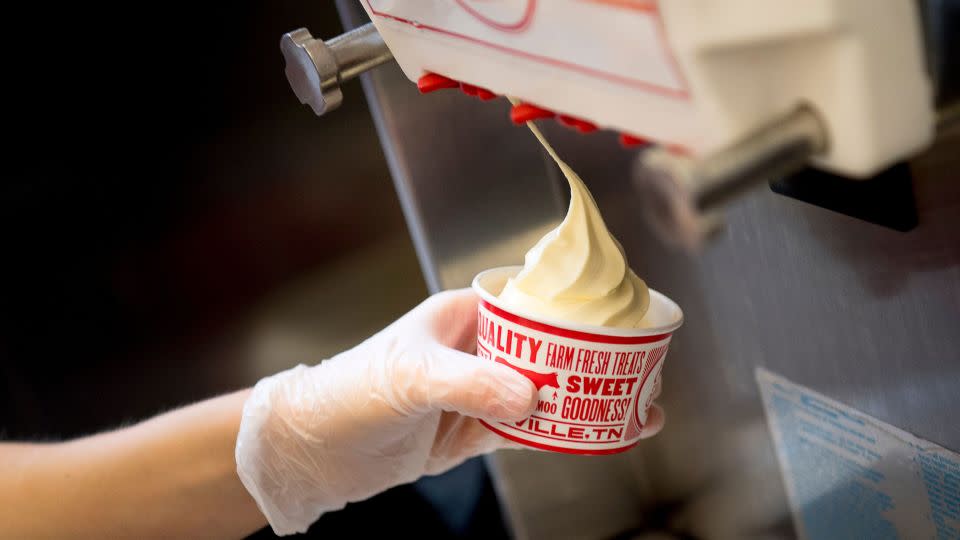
682, 196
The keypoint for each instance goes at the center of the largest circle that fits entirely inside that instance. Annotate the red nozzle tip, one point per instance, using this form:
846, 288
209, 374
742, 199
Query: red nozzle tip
526, 112
580, 125
476, 91
629, 141
678, 149
485, 95
432, 82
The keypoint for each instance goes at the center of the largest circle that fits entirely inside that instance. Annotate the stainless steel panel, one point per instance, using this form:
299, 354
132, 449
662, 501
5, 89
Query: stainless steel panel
866, 315
473, 191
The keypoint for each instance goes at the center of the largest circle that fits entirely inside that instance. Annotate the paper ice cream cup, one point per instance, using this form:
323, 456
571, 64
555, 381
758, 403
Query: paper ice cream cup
596, 383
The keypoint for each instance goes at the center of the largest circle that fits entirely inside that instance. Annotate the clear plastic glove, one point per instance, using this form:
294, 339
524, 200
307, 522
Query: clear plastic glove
399, 405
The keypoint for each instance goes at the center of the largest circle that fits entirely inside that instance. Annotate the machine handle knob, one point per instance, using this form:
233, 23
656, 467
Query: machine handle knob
312, 71
315, 69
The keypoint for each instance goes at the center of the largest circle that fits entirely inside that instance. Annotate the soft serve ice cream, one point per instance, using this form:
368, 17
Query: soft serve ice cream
578, 271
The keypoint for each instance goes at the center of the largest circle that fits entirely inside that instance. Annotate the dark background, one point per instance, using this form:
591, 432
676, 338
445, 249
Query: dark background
176, 225
161, 182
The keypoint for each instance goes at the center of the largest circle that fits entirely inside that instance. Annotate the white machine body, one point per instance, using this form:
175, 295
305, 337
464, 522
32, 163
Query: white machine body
692, 74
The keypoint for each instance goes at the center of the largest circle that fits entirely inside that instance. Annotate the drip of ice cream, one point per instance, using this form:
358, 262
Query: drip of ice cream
578, 271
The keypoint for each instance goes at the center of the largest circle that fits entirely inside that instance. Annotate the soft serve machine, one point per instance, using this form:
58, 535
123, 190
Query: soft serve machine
787, 171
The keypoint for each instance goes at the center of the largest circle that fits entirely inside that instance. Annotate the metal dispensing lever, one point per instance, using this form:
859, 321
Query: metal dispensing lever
779, 148
683, 197
317, 68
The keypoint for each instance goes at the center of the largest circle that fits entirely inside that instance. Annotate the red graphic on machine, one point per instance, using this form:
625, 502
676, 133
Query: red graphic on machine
539, 379
504, 15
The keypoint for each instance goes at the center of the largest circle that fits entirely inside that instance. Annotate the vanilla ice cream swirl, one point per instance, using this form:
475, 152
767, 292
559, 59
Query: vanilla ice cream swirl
578, 271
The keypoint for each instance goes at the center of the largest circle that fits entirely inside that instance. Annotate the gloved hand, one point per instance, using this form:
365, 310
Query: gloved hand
397, 406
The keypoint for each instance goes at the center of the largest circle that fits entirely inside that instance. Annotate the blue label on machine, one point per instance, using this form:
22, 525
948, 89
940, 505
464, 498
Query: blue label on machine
851, 476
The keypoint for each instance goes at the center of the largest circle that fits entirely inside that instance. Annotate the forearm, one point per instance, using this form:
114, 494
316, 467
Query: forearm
171, 476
